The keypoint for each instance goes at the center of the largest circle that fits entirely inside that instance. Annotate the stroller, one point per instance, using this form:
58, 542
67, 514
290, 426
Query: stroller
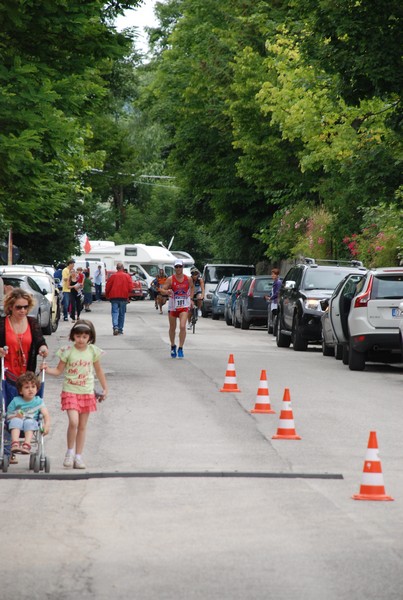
38, 461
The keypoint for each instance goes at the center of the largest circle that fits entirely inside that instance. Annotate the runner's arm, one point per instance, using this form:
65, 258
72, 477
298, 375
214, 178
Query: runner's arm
166, 288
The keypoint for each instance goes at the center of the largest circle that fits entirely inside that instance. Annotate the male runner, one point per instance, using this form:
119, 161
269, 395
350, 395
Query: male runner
180, 290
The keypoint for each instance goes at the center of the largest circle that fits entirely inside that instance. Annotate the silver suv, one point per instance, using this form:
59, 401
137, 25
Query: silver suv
365, 316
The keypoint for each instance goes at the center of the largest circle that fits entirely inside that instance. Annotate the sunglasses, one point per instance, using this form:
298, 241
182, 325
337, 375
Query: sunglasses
178, 266
21, 307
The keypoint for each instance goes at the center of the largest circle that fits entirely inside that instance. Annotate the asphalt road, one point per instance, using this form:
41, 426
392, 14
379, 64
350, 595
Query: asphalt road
187, 496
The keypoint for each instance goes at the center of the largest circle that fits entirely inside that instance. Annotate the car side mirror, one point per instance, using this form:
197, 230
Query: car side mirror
44, 292
289, 285
324, 304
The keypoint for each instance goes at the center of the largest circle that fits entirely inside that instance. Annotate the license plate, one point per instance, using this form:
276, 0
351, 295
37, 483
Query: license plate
397, 313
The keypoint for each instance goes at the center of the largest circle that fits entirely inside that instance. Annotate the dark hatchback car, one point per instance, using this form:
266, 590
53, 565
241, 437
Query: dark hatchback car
299, 306
233, 292
251, 305
219, 298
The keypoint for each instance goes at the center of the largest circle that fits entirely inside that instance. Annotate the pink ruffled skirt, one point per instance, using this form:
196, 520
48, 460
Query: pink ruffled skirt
82, 403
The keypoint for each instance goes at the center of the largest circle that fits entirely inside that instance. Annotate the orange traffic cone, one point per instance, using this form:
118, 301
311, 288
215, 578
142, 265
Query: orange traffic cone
230, 384
262, 404
372, 487
286, 428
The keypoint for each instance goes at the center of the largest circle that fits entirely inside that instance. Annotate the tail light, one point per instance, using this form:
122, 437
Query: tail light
361, 300
252, 285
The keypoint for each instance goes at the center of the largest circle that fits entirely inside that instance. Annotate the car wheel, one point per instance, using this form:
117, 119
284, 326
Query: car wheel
269, 324
228, 320
237, 324
55, 323
215, 317
338, 351
282, 340
275, 325
244, 323
298, 342
5, 463
47, 330
344, 357
327, 350
356, 360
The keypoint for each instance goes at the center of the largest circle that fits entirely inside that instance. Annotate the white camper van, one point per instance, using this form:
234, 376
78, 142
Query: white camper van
140, 259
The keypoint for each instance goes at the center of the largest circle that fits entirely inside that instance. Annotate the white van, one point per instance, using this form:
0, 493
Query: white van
213, 273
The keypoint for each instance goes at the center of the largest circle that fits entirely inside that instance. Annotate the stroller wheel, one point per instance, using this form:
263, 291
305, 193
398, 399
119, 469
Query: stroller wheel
31, 461
47, 464
37, 463
5, 463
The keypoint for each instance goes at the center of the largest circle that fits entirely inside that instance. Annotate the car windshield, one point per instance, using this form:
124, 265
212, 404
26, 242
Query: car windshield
387, 287
223, 287
215, 274
324, 279
43, 283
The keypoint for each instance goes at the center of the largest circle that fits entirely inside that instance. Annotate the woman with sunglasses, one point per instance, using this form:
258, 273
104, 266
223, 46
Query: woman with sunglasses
23, 339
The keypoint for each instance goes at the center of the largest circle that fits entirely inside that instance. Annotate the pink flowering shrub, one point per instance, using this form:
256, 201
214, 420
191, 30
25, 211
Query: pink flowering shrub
379, 243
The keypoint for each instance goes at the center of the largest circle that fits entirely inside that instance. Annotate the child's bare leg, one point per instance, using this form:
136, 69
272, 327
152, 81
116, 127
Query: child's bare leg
82, 426
72, 429
15, 435
28, 437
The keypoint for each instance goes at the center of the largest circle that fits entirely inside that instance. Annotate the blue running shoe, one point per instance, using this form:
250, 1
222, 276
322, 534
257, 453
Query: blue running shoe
173, 352
180, 352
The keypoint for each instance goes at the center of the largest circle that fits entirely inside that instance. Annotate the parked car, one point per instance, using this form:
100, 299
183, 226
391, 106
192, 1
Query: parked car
42, 309
401, 326
233, 292
219, 297
140, 290
365, 317
251, 305
45, 281
337, 306
299, 309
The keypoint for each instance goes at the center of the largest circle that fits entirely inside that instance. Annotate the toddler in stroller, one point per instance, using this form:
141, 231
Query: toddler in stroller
26, 416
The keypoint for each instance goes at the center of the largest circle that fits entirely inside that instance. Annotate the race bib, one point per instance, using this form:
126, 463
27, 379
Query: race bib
181, 302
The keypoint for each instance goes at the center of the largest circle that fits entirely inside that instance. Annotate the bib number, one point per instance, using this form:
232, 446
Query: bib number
180, 303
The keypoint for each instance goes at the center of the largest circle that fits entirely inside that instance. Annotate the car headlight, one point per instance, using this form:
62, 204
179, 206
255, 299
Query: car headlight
312, 304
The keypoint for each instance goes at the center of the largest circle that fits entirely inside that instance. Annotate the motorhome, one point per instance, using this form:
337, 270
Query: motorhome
140, 259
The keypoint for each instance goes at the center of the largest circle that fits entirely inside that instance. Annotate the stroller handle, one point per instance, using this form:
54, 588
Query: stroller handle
3, 371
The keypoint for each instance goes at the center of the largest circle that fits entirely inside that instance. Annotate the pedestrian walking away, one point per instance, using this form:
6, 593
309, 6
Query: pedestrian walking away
180, 289
118, 289
87, 290
66, 287
78, 361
